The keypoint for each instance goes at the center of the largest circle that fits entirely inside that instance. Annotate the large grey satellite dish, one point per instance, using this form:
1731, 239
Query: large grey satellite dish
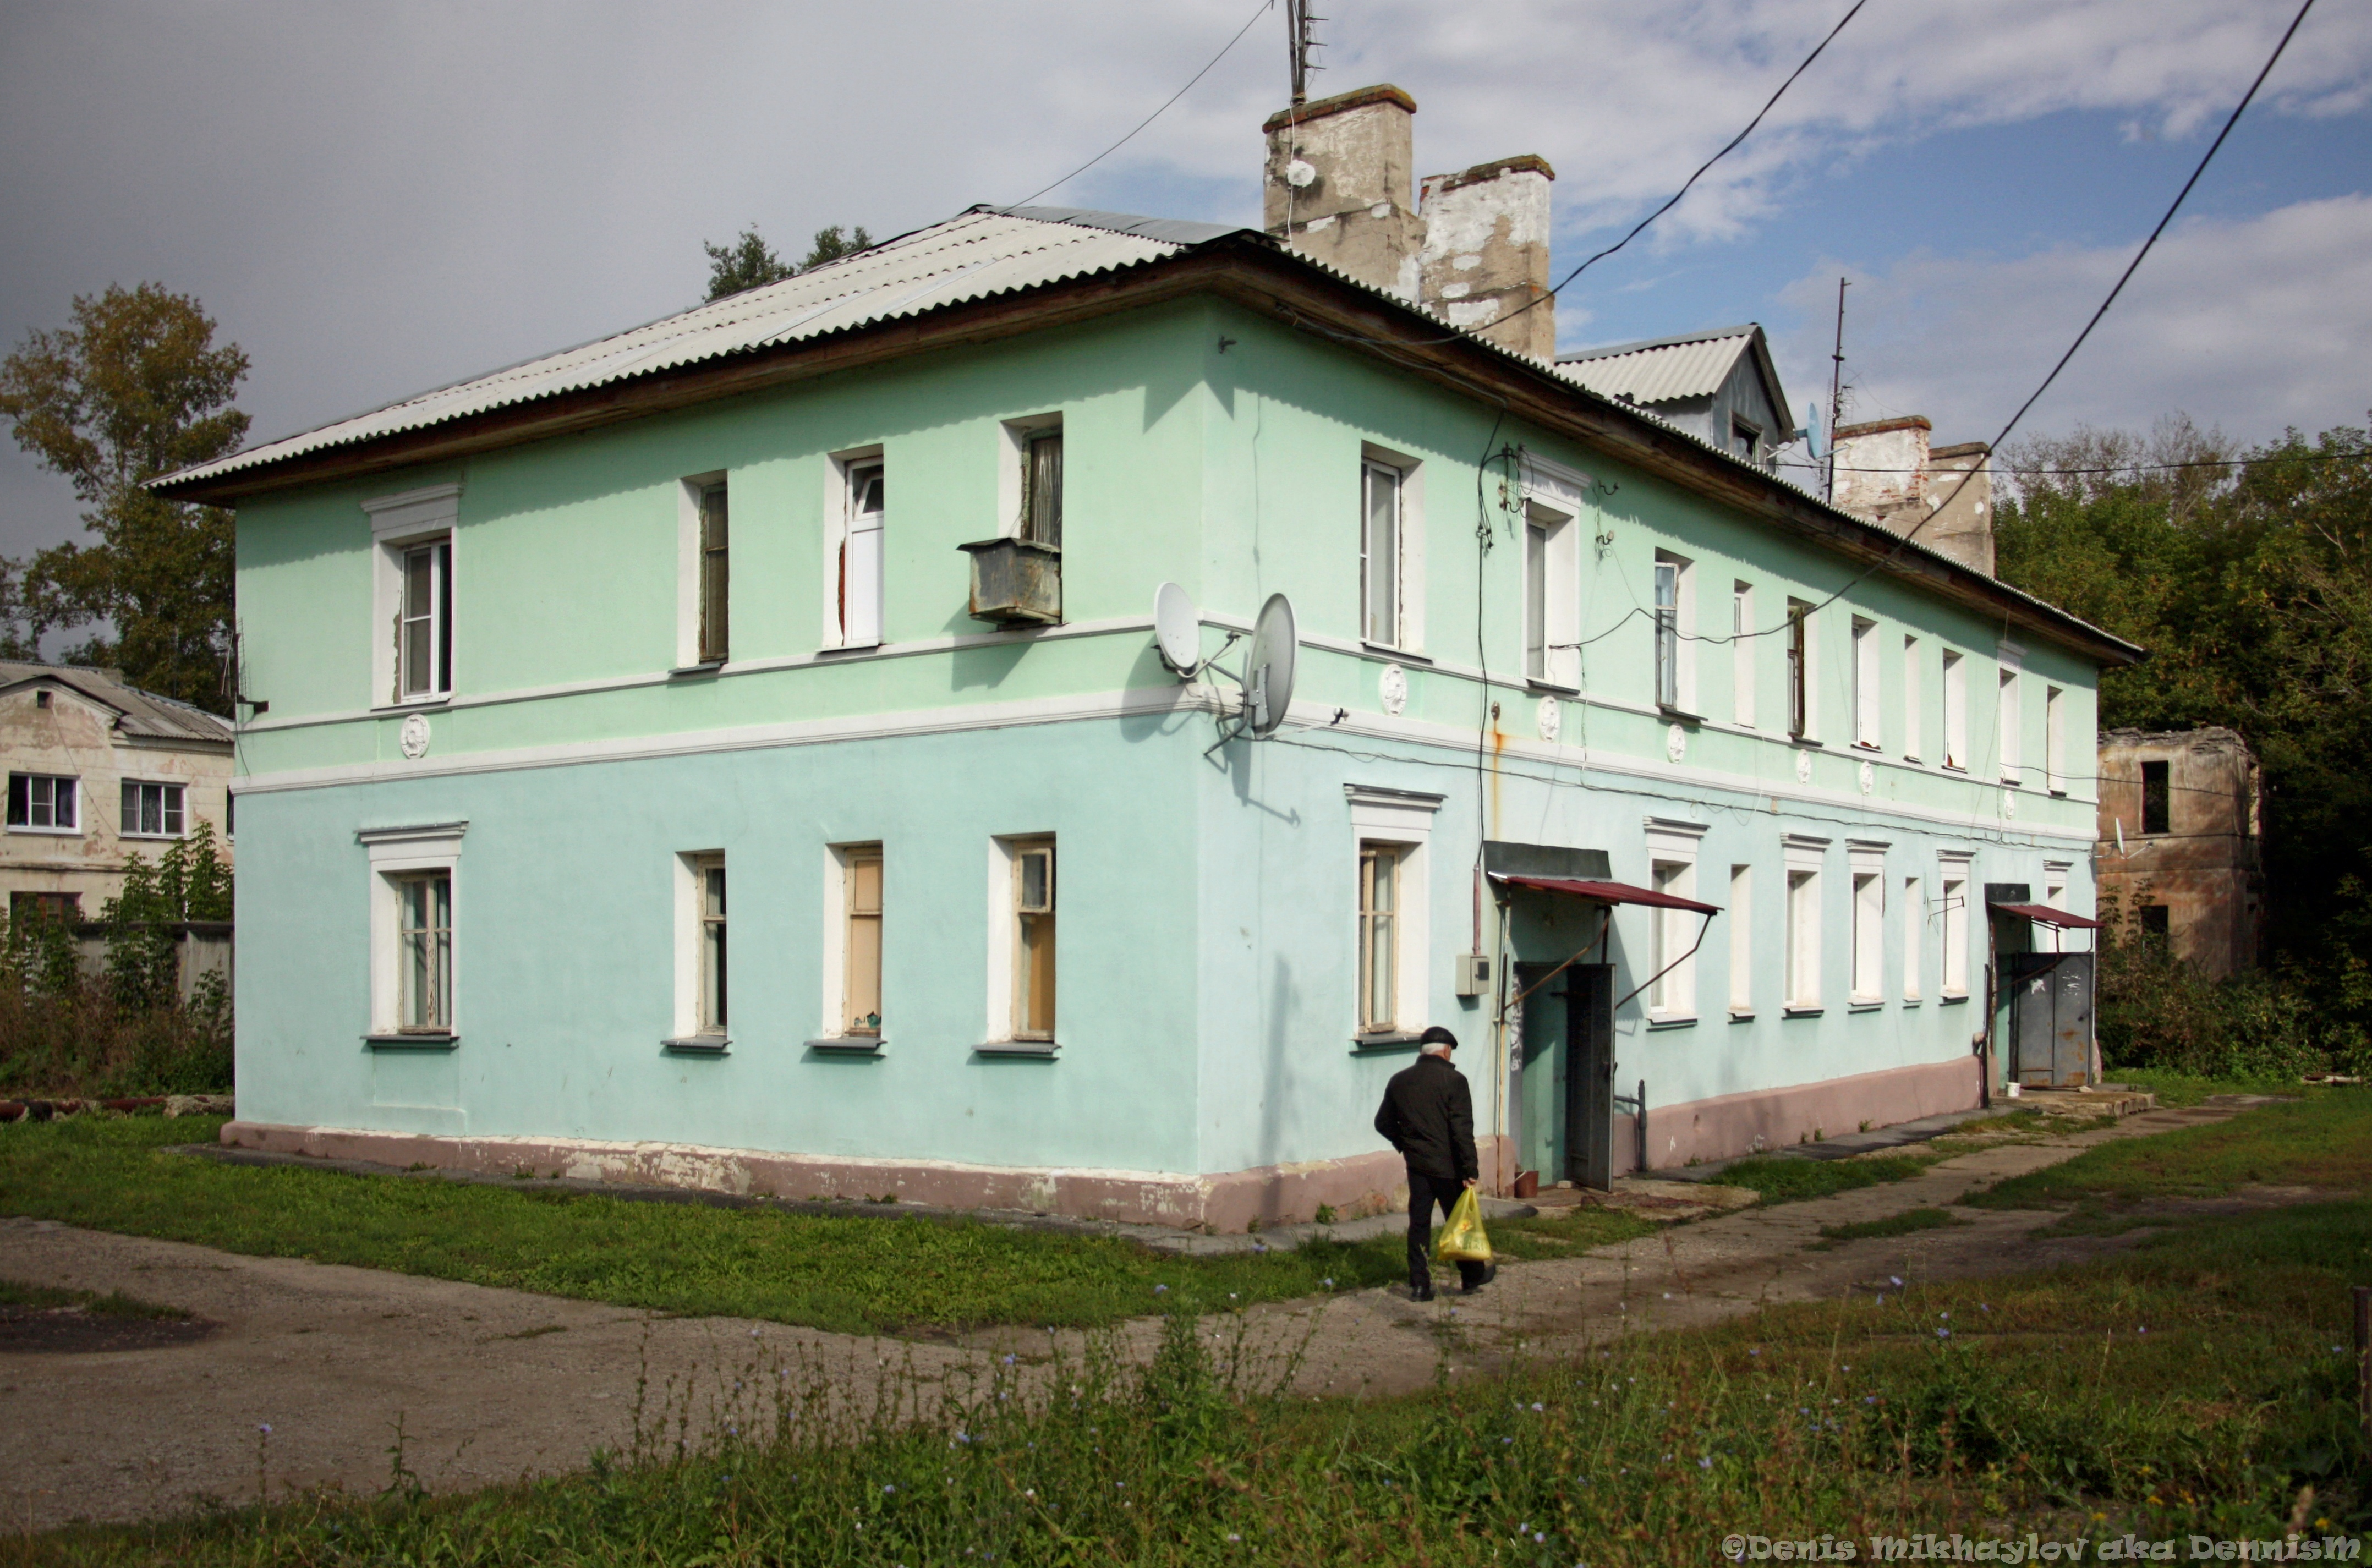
1268, 670
1177, 630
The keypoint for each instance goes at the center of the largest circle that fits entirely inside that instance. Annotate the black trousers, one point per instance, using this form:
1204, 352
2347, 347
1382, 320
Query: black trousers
1425, 1193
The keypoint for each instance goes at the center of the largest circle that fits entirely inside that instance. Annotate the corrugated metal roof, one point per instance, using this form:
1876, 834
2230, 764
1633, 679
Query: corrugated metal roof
143, 714
975, 255
1664, 370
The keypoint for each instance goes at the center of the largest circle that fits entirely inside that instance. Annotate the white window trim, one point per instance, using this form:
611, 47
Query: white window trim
123, 832
1912, 695
1012, 458
688, 865
1411, 629
1561, 593
837, 516
1403, 818
1869, 685
1811, 730
1742, 941
1004, 939
687, 564
834, 1024
1951, 923
1741, 653
1956, 710
1914, 938
394, 853
2058, 876
2010, 724
1672, 931
1867, 859
81, 800
1803, 956
398, 522
2054, 739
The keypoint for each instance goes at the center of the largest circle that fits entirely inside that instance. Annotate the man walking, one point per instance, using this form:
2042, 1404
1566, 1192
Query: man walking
1428, 1116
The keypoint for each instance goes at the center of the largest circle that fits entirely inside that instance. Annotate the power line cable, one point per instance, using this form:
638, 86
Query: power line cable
1265, 6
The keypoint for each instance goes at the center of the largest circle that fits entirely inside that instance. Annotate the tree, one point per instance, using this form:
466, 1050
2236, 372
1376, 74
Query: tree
134, 388
749, 263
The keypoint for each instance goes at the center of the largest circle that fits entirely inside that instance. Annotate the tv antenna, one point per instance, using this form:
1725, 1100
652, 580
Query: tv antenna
1300, 38
1836, 396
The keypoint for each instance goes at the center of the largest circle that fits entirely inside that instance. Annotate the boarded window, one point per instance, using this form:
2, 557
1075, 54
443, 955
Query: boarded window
862, 1008
715, 587
1380, 937
1033, 908
2157, 798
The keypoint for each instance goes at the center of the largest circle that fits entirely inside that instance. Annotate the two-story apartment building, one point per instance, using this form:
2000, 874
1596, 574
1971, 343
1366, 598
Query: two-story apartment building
97, 771
544, 663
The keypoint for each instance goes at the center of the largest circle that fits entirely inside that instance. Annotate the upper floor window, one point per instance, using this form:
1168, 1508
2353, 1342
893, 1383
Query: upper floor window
1741, 653
415, 532
1675, 629
42, 802
2157, 798
858, 601
2054, 739
1379, 553
425, 638
1041, 488
1745, 438
1551, 604
715, 574
1913, 701
1956, 710
1867, 687
2012, 727
151, 810
1799, 668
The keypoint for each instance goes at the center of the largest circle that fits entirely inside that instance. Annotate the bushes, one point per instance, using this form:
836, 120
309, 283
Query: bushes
125, 1029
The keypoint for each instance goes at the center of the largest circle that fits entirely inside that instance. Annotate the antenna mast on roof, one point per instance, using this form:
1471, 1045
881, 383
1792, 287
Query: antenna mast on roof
1836, 396
1300, 38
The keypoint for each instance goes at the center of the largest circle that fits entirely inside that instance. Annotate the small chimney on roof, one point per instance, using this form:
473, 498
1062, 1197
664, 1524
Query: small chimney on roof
1888, 473
1337, 182
1486, 262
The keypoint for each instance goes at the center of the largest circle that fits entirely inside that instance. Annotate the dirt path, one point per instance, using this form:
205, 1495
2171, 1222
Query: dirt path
491, 1384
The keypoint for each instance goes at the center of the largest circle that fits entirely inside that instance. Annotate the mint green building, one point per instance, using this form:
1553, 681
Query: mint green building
736, 753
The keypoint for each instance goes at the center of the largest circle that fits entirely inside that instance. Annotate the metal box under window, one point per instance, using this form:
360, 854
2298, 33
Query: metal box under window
1015, 581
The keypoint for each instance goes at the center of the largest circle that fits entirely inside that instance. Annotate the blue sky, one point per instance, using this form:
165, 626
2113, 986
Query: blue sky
373, 201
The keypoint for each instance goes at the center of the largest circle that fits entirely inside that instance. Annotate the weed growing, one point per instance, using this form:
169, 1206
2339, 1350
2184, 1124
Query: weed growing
1781, 1178
2323, 1141
18, 1296
1903, 1223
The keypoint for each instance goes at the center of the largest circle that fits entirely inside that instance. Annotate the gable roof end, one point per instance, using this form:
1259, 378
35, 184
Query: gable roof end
144, 714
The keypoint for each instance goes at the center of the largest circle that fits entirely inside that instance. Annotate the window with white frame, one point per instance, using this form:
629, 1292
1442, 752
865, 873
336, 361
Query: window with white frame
1675, 632
413, 963
1380, 552
1741, 653
860, 1008
2054, 739
1804, 858
703, 966
1380, 937
2054, 894
1867, 688
1041, 519
42, 803
1868, 866
1672, 932
857, 579
715, 574
2010, 726
1953, 921
151, 810
413, 573
1033, 940
1551, 601
1390, 828
1741, 940
1956, 710
1913, 698
1799, 668
1915, 936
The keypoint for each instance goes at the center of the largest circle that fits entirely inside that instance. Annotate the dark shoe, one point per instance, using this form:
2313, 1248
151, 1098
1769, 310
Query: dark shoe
1421, 1293
1490, 1272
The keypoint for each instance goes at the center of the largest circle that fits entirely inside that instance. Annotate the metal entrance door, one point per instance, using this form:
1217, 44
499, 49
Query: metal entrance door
1569, 1025
2049, 997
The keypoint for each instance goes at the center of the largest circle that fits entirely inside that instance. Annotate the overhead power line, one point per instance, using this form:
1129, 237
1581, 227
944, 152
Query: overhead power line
1265, 5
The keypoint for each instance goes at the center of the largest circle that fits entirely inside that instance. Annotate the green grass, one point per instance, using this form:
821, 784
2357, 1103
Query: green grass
2323, 1141
1564, 1233
1784, 1179
114, 1303
849, 1273
2178, 1089
1903, 1223
2194, 1385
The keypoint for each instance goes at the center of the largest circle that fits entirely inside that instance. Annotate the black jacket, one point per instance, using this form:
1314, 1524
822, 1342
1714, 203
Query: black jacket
1429, 1118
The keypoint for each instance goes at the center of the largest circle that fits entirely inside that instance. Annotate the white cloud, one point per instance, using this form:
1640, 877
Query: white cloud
2251, 324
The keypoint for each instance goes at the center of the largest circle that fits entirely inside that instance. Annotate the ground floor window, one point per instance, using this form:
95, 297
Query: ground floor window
709, 876
66, 908
1033, 943
861, 982
1380, 937
1803, 938
1953, 917
424, 916
1674, 993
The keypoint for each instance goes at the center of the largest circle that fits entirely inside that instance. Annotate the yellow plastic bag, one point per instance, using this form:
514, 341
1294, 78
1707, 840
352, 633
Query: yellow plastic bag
1463, 1240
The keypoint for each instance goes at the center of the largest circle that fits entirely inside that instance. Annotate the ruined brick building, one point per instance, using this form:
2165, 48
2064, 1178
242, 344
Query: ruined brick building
2181, 843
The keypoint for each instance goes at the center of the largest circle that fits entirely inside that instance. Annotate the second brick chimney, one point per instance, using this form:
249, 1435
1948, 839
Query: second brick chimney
1486, 253
1887, 472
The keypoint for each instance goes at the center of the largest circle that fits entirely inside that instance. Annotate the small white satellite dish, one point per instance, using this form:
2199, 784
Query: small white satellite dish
1268, 670
1300, 174
1177, 630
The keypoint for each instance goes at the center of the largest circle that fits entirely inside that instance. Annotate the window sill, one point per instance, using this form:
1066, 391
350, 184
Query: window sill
1812, 1010
1859, 1005
1678, 714
1377, 1044
46, 832
1950, 997
1912, 758
1042, 1049
697, 1045
2059, 791
849, 1045
693, 671
153, 838
1869, 746
1385, 650
1913, 1001
850, 650
420, 1041
1549, 688
1954, 768
1674, 1023
1741, 1015
1806, 741
414, 705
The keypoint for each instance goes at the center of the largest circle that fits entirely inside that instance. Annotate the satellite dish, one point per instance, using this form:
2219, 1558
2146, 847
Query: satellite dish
1268, 672
1177, 630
